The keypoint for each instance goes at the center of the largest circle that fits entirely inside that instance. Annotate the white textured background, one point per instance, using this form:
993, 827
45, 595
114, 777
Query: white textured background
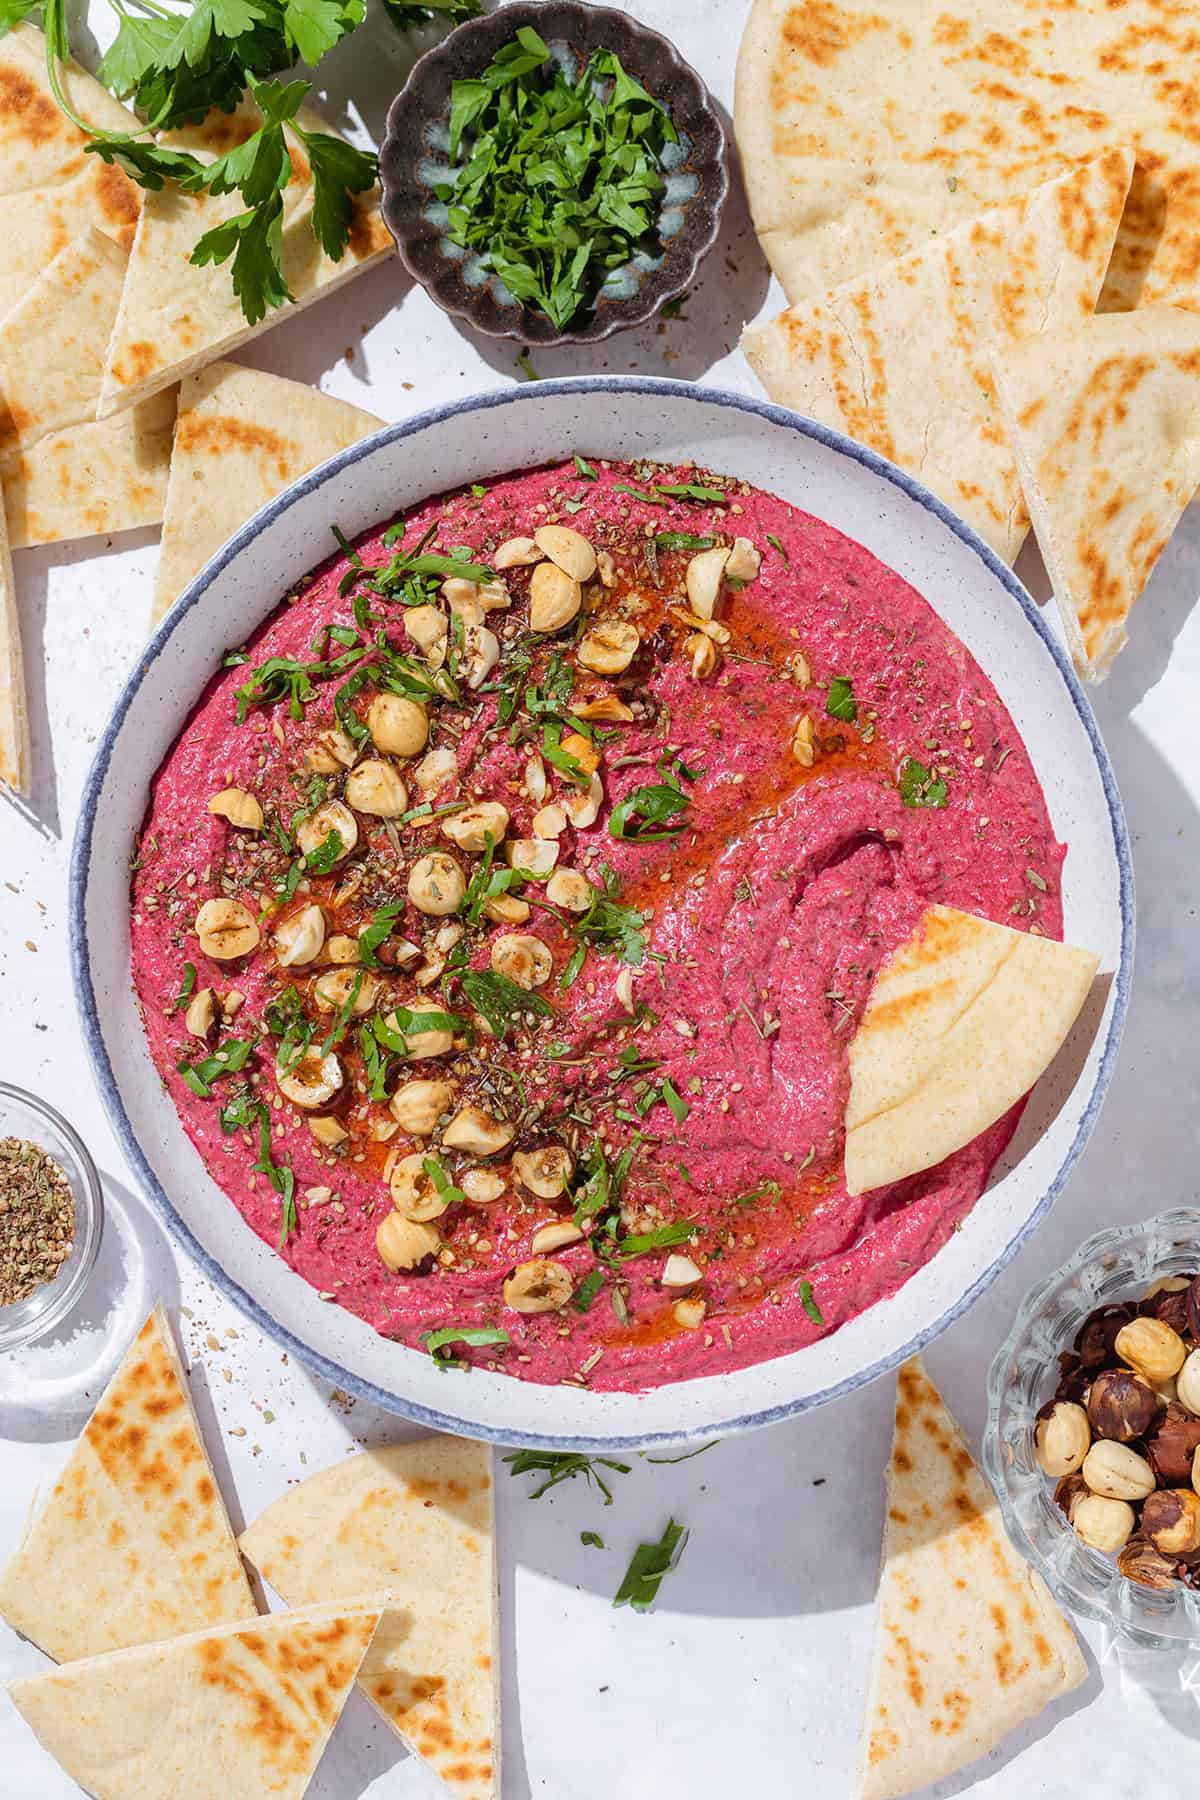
749, 1676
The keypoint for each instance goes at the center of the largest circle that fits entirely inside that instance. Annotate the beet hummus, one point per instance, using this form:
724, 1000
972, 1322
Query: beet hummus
504, 912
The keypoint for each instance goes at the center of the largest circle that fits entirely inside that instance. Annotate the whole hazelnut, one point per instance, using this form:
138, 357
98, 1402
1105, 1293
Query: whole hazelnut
1141, 1562
1095, 1337
1121, 1406
1069, 1491
1187, 1383
1062, 1437
1117, 1472
1171, 1520
1151, 1348
1104, 1524
1172, 1444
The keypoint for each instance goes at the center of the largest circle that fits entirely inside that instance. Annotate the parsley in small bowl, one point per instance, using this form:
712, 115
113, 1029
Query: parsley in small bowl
553, 172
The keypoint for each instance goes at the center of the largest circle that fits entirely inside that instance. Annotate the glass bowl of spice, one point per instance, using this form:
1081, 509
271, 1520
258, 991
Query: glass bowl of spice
51, 1217
1093, 1433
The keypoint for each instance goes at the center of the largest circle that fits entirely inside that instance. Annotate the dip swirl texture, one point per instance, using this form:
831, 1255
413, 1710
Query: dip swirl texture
629, 1115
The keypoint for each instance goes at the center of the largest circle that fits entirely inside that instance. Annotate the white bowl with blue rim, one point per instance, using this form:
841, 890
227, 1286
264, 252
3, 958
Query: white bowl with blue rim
475, 440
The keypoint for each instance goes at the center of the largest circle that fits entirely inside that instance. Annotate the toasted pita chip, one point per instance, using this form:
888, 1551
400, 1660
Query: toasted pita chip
968, 1642
133, 1544
236, 1713
52, 342
1104, 417
961, 1021
899, 359
39, 146
175, 316
92, 480
865, 130
15, 760
412, 1521
242, 437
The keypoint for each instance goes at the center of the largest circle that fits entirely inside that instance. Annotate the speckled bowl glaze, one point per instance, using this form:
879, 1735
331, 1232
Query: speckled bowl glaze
415, 145
476, 440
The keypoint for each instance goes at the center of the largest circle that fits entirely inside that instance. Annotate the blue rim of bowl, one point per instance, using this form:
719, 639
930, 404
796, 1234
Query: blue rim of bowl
81, 852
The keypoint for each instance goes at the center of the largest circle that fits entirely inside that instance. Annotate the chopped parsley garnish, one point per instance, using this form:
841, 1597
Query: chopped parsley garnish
809, 1304
437, 1342
841, 703
377, 933
242, 1113
682, 540
777, 546
394, 1038
587, 1290
345, 1013
584, 469
564, 1465
663, 1238
918, 786
623, 487
687, 1454
555, 183
648, 1565
231, 1057
766, 1190
692, 490
591, 1540
502, 1002
186, 988
608, 926
636, 817
678, 1105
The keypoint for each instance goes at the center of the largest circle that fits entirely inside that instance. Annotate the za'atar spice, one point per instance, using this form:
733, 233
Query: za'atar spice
37, 1219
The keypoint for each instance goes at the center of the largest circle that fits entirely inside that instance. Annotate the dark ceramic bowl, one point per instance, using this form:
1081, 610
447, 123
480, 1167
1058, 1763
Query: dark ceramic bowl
415, 145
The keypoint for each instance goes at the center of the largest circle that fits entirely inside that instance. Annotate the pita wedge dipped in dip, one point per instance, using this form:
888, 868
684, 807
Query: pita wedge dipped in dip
960, 1023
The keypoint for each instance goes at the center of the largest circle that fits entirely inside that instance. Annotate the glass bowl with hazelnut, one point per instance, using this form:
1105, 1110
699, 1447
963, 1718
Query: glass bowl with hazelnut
1093, 1432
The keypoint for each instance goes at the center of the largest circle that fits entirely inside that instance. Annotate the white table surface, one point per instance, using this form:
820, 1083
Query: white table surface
749, 1675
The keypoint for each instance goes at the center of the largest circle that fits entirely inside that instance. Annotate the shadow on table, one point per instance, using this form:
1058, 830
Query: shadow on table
48, 1389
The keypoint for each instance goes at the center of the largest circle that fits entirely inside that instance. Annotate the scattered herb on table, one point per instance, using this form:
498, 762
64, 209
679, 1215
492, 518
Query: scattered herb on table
648, 1565
37, 1219
555, 184
591, 1540
687, 1455
564, 1465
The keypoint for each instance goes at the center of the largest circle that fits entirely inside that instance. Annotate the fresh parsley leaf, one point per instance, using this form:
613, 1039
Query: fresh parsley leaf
678, 1105
809, 1304
584, 469
377, 933
648, 1565
592, 1540
228, 1059
404, 14
255, 242
587, 1290
918, 786
623, 487
687, 1455
663, 1238
841, 703
777, 546
503, 1003
475, 1335
564, 1465
186, 988
693, 490
635, 817
339, 171
682, 540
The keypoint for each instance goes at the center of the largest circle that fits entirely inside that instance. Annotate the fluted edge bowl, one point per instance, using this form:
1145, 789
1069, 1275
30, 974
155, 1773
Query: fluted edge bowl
420, 111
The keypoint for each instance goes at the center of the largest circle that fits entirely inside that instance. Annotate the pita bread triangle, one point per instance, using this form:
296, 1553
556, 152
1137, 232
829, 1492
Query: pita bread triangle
174, 316
39, 146
968, 1641
961, 1020
236, 1713
15, 756
52, 342
133, 1544
1104, 417
92, 480
414, 1521
242, 436
899, 358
